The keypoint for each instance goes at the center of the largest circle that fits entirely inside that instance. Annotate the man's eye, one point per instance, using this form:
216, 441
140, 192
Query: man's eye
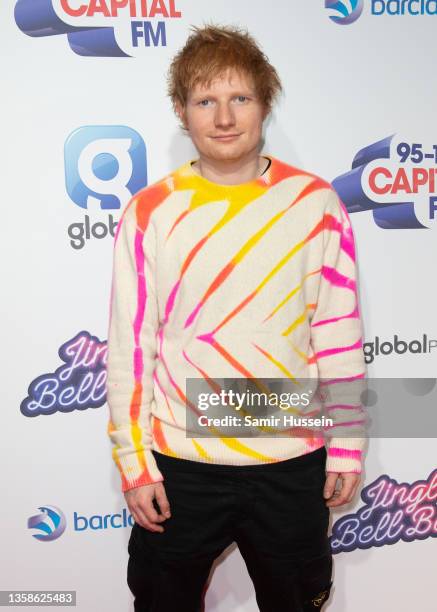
204, 102
241, 98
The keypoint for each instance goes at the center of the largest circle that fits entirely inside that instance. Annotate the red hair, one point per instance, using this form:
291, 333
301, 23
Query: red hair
209, 52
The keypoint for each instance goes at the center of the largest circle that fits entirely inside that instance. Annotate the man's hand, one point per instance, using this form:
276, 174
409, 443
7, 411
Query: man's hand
140, 502
349, 484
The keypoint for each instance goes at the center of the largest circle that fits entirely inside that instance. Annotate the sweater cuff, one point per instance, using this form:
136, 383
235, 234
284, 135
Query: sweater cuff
345, 455
137, 469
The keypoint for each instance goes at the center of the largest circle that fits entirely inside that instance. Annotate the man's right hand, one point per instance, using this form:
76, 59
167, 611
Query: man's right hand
140, 503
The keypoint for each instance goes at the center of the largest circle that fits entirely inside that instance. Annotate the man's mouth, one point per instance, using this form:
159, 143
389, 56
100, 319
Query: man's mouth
225, 136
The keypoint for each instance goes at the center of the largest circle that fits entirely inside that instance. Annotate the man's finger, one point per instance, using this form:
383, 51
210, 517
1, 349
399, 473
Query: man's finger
162, 500
148, 510
337, 500
351, 482
354, 488
331, 479
142, 519
346, 493
151, 526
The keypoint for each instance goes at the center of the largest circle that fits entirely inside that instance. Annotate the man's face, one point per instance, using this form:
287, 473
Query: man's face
225, 119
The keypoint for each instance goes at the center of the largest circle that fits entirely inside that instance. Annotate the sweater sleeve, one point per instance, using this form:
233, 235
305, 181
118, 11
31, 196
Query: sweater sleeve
337, 341
133, 326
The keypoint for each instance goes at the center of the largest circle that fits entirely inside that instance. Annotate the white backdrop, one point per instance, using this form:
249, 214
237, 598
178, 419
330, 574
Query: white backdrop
347, 86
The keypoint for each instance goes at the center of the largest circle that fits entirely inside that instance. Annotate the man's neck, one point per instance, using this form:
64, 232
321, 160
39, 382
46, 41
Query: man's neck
231, 172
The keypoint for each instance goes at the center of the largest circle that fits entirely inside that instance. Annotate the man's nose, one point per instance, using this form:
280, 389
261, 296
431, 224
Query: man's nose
224, 116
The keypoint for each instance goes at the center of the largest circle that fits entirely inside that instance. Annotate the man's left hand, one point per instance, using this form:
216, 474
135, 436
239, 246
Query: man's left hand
349, 483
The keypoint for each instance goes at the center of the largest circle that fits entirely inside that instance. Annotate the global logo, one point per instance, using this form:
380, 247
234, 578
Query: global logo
396, 179
99, 28
50, 523
104, 166
380, 346
344, 12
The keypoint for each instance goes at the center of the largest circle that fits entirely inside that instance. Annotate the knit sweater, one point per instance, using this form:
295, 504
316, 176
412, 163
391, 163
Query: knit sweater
250, 280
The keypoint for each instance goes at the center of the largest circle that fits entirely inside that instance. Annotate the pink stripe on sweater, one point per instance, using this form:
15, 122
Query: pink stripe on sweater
352, 315
141, 304
347, 243
344, 453
345, 424
336, 278
339, 349
344, 407
333, 381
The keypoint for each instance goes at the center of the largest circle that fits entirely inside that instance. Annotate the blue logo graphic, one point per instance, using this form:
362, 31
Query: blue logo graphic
104, 165
346, 12
396, 179
50, 523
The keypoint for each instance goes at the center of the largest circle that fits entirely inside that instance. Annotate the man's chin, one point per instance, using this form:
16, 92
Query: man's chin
230, 155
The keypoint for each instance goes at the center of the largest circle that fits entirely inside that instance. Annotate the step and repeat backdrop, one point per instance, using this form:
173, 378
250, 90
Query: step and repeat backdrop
85, 124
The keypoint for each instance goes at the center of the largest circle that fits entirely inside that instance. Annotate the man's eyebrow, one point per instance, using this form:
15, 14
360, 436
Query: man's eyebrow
236, 92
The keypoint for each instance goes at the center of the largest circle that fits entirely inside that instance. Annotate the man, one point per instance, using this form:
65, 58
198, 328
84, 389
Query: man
234, 265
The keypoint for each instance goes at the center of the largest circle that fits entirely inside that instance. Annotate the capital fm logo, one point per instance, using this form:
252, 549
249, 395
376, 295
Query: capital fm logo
104, 166
100, 28
346, 12
49, 523
396, 179
392, 512
78, 384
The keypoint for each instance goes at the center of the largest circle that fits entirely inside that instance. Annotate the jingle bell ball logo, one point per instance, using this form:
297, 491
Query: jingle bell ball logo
392, 512
100, 28
396, 179
78, 384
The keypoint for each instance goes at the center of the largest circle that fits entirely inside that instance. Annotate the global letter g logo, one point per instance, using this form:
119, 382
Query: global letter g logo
104, 166
346, 11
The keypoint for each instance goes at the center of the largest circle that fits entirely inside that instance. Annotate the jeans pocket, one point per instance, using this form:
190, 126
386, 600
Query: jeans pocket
316, 580
316, 600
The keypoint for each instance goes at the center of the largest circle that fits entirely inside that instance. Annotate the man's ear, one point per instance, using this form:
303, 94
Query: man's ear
266, 112
180, 112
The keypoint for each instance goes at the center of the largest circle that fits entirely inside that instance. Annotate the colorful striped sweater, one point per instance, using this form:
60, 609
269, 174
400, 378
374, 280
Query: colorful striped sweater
250, 280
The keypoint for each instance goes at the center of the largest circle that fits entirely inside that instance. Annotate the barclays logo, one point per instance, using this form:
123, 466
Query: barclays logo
345, 12
50, 523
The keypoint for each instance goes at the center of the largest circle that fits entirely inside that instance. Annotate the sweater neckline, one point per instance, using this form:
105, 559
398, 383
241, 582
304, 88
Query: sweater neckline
263, 180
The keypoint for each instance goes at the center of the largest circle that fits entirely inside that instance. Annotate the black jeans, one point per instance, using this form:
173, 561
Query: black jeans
275, 513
